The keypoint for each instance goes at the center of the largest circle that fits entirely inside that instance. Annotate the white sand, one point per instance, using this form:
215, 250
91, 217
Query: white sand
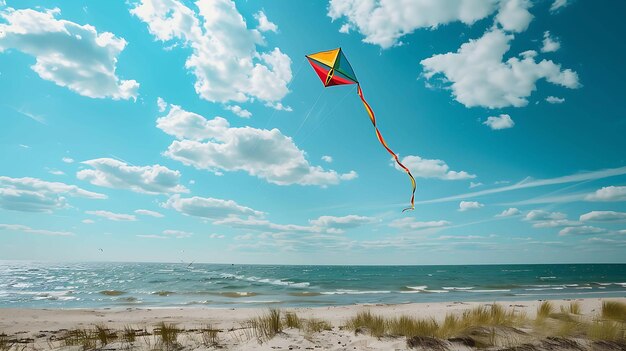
40, 324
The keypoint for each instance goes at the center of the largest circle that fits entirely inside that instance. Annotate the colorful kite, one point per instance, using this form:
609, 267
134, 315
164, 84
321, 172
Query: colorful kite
334, 69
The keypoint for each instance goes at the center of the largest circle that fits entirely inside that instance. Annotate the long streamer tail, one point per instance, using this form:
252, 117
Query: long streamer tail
370, 112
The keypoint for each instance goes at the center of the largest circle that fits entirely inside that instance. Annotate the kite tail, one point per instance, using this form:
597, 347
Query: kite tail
370, 112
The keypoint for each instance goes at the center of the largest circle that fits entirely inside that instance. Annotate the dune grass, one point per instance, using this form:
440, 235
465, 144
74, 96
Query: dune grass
292, 320
614, 310
544, 310
453, 325
209, 336
168, 335
5, 343
128, 334
79, 337
267, 326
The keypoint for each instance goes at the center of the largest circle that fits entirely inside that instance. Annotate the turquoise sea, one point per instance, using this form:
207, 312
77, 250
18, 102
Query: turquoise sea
122, 285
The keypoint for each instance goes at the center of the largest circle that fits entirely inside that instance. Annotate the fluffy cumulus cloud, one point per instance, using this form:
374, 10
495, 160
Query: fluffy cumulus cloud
478, 75
425, 168
504, 121
384, 22
265, 25
555, 100
111, 173
550, 44
117, 217
559, 4
267, 154
609, 193
411, 223
36, 195
509, 212
583, 230
149, 213
236, 109
69, 54
469, 205
603, 216
207, 207
29, 230
223, 50
545, 219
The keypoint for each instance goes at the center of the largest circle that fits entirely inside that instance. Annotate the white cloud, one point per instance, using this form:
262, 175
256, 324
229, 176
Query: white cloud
66, 53
267, 154
27, 229
479, 77
67, 160
216, 236
341, 223
555, 100
161, 104
36, 195
474, 185
116, 174
327, 159
278, 106
383, 23
207, 207
545, 219
532, 183
509, 212
236, 109
559, 4
550, 44
609, 193
56, 172
149, 213
411, 223
223, 58
497, 123
541, 215
513, 15
469, 205
581, 230
178, 234
601, 216
117, 217
265, 25
88, 221
425, 168
323, 224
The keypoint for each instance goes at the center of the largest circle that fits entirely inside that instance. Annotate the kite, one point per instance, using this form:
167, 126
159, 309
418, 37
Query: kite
334, 69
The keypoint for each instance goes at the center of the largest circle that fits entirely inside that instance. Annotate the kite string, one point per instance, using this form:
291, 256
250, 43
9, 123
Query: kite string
309, 113
288, 85
326, 115
370, 112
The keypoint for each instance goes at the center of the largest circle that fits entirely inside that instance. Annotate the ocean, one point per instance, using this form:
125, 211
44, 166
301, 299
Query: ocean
124, 285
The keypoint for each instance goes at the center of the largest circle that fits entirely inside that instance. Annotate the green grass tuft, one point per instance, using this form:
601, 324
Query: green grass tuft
168, 335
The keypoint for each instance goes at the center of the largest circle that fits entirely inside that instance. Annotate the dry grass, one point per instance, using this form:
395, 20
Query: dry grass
292, 320
79, 337
545, 309
267, 326
606, 330
210, 336
5, 343
453, 325
614, 310
168, 335
316, 325
128, 334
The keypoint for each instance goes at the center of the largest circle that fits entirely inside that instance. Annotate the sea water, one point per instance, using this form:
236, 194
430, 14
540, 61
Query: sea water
123, 285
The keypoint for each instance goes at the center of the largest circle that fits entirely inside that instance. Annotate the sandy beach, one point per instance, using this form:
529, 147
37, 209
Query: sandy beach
45, 328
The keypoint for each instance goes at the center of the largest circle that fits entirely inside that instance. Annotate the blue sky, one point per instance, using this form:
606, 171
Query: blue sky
167, 130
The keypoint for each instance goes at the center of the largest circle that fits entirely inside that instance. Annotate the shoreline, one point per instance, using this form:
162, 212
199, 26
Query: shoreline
40, 324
